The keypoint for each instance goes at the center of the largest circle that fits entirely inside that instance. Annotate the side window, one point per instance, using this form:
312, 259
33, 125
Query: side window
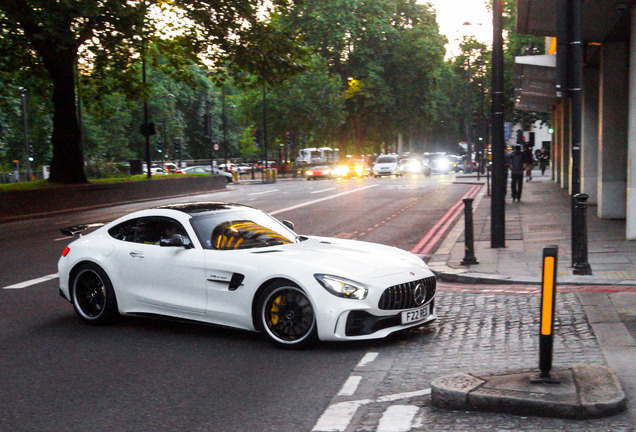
148, 230
124, 231
151, 229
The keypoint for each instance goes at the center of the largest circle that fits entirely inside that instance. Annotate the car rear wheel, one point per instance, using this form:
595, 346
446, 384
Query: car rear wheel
92, 294
286, 316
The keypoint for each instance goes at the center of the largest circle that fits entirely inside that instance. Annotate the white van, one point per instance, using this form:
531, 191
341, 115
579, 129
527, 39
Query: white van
387, 165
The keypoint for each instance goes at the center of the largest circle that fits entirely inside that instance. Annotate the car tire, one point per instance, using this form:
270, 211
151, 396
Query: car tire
286, 317
92, 295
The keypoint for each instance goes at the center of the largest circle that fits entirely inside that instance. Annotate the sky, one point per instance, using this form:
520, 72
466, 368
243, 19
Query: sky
452, 14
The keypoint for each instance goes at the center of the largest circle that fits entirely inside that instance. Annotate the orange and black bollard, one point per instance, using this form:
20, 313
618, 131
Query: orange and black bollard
548, 297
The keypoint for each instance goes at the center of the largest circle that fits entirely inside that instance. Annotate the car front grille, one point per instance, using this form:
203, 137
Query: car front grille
402, 296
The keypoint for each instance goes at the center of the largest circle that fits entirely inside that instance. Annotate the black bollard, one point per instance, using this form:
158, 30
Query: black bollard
469, 252
579, 235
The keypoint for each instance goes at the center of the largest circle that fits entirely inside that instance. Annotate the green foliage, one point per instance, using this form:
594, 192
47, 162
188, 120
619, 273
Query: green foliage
352, 74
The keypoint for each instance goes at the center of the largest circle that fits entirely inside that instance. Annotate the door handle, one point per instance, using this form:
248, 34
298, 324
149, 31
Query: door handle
137, 254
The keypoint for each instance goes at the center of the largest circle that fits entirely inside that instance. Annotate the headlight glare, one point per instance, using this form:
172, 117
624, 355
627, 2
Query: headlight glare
342, 287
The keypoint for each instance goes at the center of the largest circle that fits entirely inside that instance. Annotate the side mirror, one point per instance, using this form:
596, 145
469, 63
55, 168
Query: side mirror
173, 240
289, 224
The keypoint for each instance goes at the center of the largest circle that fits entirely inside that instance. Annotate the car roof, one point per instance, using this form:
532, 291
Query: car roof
204, 207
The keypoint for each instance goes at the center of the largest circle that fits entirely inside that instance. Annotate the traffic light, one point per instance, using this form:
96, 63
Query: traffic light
288, 138
31, 153
159, 147
257, 137
520, 136
177, 146
147, 129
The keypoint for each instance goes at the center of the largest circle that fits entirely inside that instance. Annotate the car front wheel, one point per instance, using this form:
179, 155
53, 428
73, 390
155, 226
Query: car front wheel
92, 294
286, 316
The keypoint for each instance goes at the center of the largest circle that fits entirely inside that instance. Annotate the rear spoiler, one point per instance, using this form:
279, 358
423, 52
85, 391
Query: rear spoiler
74, 231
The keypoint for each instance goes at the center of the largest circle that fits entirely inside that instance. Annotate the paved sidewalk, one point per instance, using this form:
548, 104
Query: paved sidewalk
541, 219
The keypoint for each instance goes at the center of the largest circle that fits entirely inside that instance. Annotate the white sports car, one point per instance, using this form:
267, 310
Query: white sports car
234, 265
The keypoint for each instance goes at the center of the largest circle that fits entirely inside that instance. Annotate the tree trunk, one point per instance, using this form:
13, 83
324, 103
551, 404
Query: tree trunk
67, 165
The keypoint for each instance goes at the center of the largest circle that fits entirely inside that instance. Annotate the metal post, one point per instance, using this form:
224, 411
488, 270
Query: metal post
146, 125
498, 203
579, 231
26, 134
224, 115
469, 250
548, 297
264, 142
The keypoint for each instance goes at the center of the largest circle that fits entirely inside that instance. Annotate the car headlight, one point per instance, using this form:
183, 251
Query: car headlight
342, 287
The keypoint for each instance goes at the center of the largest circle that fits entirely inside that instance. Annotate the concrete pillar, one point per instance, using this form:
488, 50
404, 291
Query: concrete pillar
612, 157
630, 225
589, 141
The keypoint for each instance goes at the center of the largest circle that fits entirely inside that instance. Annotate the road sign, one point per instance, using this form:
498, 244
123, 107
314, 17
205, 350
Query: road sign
507, 130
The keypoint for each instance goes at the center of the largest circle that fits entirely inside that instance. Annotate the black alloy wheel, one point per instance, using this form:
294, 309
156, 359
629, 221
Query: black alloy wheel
286, 316
92, 294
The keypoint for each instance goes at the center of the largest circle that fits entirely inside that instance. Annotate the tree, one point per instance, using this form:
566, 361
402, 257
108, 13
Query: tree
230, 31
387, 54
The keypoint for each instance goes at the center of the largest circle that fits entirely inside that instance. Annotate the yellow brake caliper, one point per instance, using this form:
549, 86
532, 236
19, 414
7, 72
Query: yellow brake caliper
274, 310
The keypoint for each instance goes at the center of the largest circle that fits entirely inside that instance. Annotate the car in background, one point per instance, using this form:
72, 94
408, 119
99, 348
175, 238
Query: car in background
439, 162
204, 169
457, 163
351, 168
170, 167
319, 172
236, 266
387, 165
416, 166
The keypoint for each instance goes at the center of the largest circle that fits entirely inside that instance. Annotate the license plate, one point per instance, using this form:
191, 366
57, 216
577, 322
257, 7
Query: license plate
414, 315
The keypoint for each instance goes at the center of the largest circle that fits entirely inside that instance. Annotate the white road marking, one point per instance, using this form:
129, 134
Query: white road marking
368, 358
398, 418
321, 199
350, 386
337, 417
32, 282
323, 190
398, 396
263, 192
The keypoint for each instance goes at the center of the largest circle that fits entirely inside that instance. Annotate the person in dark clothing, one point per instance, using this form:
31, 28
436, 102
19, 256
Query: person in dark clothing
528, 161
544, 159
516, 170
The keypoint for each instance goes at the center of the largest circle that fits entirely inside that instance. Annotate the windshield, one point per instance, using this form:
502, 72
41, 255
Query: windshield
386, 159
244, 229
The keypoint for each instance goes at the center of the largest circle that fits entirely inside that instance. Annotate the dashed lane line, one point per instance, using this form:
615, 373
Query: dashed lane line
32, 282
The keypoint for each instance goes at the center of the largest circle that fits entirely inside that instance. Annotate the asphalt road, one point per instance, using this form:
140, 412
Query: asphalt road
144, 374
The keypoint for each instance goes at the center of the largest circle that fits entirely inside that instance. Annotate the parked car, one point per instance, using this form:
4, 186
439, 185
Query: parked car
234, 265
170, 167
387, 165
206, 169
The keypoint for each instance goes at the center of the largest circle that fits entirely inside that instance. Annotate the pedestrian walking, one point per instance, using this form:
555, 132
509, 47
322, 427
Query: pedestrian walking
544, 159
528, 161
516, 171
